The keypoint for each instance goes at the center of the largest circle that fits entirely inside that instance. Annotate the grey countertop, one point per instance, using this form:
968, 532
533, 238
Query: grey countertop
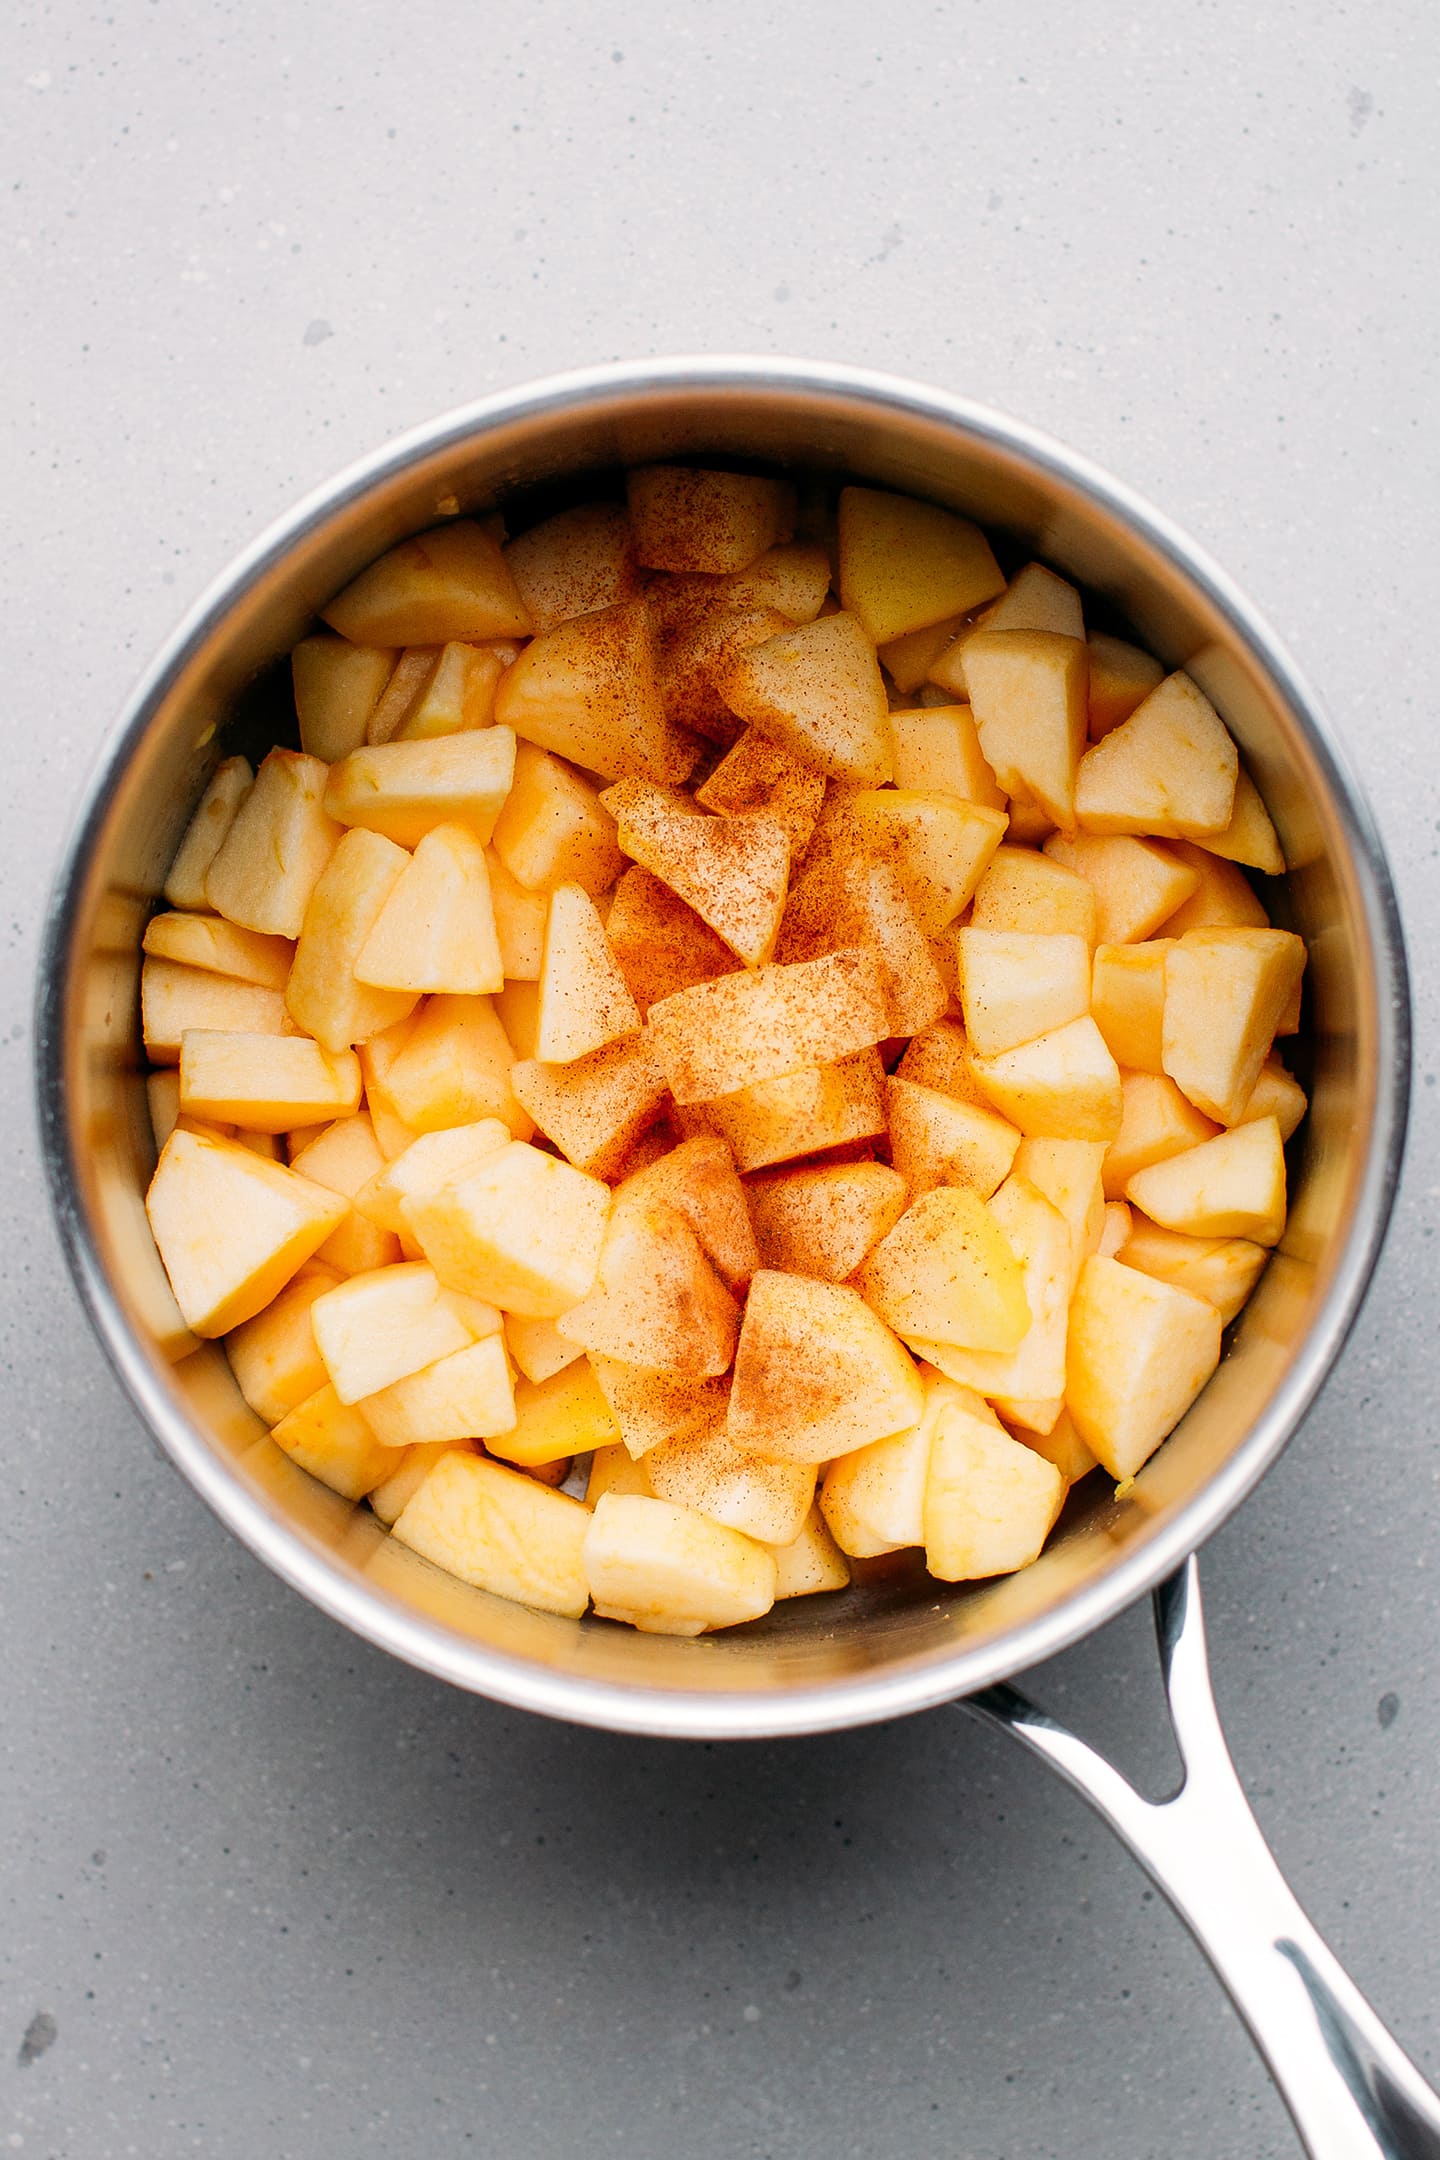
265, 1892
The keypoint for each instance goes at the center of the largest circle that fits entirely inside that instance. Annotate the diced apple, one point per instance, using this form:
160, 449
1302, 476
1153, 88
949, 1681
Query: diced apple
669, 1571
1062, 1086
267, 1083
556, 1419
1169, 771
990, 1501
818, 692
1121, 677
273, 1222
804, 1113
1156, 1122
1027, 1383
1027, 692
707, 1472
538, 1347
584, 999
1138, 884
939, 1057
279, 841
1231, 1186
376, 1058
1017, 984
937, 752
947, 1273
698, 1180
656, 1302
1115, 1230
393, 1496
816, 1372
520, 1230
811, 1562
1224, 1271
873, 1499
335, 1444
204, 836
908, 660
455, 1068
574, 563
596, 1108
406, 789
1068, 1173
458, 695
589, 690
935, 1140
501, 1531
377, 1328
1035, 599
858, 901
324, 996
730, 1034
686, 518
414, 670
452, 582
1223, 898
208, 941
651, 1407
175, 999
661, 945
274, 1357
758, 775
824, 1220
345, 1157
1275, 1094
429, 1162
519, 922
1022, 890
554, 829
436, 927
518, 1004
1225, 993
465, 1395
793, 578
1127, 1002
1140, 1352
732, 871
614, 1470
906, 564
695, 647
938, 845
1250, 836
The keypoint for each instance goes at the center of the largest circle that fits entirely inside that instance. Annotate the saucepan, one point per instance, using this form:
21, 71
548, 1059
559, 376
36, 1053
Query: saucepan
894, 1645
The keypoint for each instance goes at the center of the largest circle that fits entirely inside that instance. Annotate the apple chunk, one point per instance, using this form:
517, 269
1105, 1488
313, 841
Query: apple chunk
732, 870
660, 944
1027, 691
555, 1419
698, 1180
520, 1230
935, 1140
405, 789
758, 775
657, 1302
378, 1327
220, 947
573, 563
279, 841
706, 1471
823, 1220
325, 997
1226, 992
274, 1357
585, 1001
722, 1036
1062, 1086
334, 1443
436, 927
816, 1372
203, 837
947, 1273
990, 1501
465, 1395
273, 1221
553, 829
817, 691
686, 518
589, 691
267, 1083
802, 1113
452, 582
669, 1571
1168, 771
1231, 1186
1222, 1270
1017, 984
1140, 1352
501, 1531
907, 564
596, 1107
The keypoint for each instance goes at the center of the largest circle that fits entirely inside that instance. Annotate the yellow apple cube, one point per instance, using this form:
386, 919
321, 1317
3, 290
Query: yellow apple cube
1140, 1352
1169, 771
538, 1347
458, 694
1069, 1174
501, 1531
937, 752
232, 1228
1115, 1230
935, 1140
325, 996
452, 582
792, 578
823, 1220
811, 1562
1035, 599
429, 1162
1017, 984
861, 902
1027, 692
1026, 1383
908, 660
520, 1230
947, 1273
1062, 1445
335, 1444
574, 563
990, 1501
708, 1473
267, 1083
938, 846
390, 1498
557, 1418
817, 691
1225, 994
1250, 836
455, 1068
405, 789
1023, 890
732, 871
279, 841
803, 1113
1127, 1002
613, 1470
656, 1302
1138, 884
585, 1001
465, 1395
729, 1034
589, 690
554, 829
208, 941
661, 945
817, 1373
1062, 1086
175, 1000
905, 564
203, 837
436, 927
651, 1407
337, 687
377, 1328
1223, 897
758, 775
669, 1571
520, 917
1231, 1186
345, 1157
939, 1058
1223, 1271
1121, 677
873, 1499
686, 518
1275, 1094
698, 1180
1156, 1121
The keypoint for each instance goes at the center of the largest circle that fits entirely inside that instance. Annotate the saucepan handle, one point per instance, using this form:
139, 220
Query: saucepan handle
1354, 2094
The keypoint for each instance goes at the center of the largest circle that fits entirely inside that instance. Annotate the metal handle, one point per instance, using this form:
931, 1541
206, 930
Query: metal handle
1354, 2094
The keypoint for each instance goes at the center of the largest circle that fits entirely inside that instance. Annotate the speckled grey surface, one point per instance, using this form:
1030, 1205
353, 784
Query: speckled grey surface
262, 1891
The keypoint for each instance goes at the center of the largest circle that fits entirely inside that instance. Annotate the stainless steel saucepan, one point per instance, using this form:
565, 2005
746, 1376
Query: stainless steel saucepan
872, 1653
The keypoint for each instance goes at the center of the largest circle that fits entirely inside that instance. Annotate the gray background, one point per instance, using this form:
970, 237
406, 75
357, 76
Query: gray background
279, 1896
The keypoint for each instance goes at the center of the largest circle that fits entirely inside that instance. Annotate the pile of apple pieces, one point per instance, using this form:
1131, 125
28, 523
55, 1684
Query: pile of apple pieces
809, 1054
